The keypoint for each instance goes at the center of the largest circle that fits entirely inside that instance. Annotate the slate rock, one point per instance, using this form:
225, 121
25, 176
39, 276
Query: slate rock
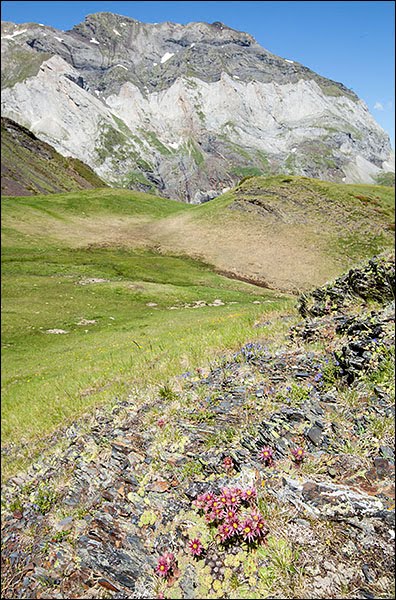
315, 435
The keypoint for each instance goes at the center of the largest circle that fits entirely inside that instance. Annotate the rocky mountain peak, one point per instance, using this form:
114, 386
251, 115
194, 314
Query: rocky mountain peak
104, 24
183, 109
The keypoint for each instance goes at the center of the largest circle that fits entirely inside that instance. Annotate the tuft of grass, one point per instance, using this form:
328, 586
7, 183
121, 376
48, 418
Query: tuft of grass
191, 468
166, 393
45, 498
281, 571
294, 395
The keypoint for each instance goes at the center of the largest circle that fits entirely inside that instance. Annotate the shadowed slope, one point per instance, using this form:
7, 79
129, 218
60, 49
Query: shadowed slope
30, 166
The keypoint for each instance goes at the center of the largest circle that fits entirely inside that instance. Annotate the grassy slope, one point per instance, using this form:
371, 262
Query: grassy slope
51, 378
50, 243
30, 166
291, 233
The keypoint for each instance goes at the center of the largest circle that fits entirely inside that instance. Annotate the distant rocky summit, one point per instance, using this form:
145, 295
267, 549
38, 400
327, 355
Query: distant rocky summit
183, 110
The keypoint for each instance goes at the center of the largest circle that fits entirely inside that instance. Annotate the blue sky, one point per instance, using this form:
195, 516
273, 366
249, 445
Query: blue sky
350, 42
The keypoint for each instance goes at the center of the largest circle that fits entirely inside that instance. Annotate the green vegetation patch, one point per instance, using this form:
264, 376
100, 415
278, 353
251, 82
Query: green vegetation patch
81, 326
387, 179
192, 149
155, 143
136, 178
112, 141
87, 203
246, 171
22, 64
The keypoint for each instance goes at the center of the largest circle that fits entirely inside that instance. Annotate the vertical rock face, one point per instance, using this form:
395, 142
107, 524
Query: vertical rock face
183, 109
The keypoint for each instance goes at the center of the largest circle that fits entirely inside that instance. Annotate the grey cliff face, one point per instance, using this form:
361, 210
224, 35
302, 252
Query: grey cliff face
185, 110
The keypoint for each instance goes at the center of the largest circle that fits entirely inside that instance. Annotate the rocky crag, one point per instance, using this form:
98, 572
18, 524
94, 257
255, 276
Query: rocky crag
30, 166
301, 432
186, 110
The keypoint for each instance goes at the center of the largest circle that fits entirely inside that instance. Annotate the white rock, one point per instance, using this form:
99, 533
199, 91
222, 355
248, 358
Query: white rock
12, 35
270, 117
166, 57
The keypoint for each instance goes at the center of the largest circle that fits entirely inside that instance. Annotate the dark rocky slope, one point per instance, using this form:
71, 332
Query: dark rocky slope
30, 166
93, 517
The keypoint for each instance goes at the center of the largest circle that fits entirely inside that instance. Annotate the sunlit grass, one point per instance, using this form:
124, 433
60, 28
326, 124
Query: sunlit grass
50, 379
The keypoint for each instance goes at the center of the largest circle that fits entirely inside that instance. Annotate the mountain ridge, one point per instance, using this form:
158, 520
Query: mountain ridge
184, 110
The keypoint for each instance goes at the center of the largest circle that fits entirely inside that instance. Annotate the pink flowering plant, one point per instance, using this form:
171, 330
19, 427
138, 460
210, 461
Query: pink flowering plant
195, 547
298, 455
234, 515
166, 566
228, 463
267, 456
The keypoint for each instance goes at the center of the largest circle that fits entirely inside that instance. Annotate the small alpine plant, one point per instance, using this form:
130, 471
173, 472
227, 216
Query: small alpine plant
298, 454
228, 463
195, 547
235, 516
267, 455
166, 566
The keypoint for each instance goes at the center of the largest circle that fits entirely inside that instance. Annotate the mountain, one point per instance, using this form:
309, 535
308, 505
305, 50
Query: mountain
30, 166
183, 110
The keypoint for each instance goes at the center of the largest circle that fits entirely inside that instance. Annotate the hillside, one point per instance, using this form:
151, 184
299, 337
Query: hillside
184, 110
285, 233
29, 166
268, 473
118, 273
120, 313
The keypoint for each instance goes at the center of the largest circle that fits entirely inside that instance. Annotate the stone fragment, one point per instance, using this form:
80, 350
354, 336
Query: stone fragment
315, 435
159, 486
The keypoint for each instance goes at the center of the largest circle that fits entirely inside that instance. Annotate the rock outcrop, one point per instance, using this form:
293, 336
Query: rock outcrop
183, 109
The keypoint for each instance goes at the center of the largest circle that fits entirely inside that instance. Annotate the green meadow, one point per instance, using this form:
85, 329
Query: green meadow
108, 291
132, 316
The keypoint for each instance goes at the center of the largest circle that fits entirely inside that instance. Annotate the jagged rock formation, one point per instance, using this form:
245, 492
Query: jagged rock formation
30, 166
183, 109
